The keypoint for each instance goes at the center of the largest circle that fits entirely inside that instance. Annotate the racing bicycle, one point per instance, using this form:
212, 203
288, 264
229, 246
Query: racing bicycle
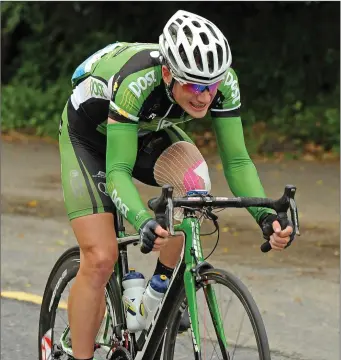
211, 296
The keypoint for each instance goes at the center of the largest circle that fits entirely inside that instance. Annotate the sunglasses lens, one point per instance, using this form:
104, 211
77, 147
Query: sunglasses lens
213, 87
198, 88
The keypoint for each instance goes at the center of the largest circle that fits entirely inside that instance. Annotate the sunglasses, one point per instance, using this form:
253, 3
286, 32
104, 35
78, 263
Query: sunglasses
199, 88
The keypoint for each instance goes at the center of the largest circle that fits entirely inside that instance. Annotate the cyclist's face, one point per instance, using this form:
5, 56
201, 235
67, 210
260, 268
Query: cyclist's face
191, 97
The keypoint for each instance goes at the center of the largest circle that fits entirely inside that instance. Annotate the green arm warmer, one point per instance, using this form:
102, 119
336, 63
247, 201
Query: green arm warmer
239, 170
120, 160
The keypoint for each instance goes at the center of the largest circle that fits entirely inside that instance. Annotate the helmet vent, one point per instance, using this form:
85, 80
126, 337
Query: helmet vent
183, 56
173, 30
188, 33
198, 59
226, 46
210, 60
171, 57
204, 38
220, 55
211, 30
196, 24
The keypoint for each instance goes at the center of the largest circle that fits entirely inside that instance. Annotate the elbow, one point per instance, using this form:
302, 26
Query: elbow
240, 162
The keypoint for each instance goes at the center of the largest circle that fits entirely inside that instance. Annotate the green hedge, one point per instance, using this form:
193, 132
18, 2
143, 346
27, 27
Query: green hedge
286, 56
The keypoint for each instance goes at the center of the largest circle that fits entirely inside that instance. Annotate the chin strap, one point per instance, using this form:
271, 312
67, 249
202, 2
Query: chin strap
169, 90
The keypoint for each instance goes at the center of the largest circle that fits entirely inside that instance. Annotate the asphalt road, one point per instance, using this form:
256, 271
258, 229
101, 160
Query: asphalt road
297, 291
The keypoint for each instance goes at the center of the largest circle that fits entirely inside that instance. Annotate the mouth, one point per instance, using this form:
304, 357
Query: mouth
197, 106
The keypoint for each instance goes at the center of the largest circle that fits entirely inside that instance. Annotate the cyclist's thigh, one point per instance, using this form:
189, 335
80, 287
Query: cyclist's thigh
83, 173
169, 156
84, 188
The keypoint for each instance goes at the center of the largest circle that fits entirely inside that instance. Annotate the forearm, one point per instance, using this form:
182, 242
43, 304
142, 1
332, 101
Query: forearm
120, 160
243, 179
239, 170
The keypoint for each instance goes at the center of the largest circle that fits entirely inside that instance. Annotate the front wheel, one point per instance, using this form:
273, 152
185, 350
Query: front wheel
245, 336
54, 341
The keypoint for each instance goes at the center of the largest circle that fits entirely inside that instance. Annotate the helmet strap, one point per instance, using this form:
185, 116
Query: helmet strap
169, 90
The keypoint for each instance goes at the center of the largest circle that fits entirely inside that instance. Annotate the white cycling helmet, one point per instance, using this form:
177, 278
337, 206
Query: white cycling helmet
195, 49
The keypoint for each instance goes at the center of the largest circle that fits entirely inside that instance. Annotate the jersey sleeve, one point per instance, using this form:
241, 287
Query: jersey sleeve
130, 93
239, 170
120, 160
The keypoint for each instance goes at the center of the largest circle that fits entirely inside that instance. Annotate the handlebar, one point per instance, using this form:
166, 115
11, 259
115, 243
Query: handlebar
163, 207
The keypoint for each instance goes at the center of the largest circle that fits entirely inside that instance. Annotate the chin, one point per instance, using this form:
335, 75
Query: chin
197, 114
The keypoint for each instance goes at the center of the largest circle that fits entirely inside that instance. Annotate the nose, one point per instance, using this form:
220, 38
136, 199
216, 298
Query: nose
204, 97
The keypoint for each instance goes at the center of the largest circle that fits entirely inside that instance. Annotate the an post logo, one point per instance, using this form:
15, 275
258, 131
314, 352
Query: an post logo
233, 83
136, 87
97, 88
121, 207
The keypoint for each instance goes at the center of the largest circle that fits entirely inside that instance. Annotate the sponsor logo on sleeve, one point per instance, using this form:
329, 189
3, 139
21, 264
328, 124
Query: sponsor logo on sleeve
121, 207
233, 84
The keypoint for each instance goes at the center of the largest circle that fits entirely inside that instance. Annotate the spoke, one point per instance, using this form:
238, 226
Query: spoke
235, 346
228, 305
206, 328
59, 316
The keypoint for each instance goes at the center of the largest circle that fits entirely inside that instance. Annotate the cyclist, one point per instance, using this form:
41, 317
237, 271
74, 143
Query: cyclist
121, 123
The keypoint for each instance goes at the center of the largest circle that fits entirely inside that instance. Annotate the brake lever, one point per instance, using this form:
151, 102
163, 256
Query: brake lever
287, 201
169, 215
294, 216
294, 221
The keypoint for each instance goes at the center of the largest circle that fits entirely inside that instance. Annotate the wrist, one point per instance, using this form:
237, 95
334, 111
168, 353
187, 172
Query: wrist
266, 218
141, 219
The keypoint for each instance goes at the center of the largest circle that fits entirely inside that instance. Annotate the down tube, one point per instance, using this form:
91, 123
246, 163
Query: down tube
193, 251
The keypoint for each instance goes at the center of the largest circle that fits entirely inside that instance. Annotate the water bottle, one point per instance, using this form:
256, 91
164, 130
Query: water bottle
153, 294
134, 286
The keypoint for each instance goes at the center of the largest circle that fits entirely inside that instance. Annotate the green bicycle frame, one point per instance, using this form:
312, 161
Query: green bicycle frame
193, 256
190, 226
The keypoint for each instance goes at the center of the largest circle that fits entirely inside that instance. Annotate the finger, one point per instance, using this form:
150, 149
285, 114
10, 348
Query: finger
286, 232
161, 241
158, 247
275, 247
161, 231
280, 240
276, 226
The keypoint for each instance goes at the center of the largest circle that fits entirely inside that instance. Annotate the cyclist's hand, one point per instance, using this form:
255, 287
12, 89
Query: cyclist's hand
279, 238
152, 236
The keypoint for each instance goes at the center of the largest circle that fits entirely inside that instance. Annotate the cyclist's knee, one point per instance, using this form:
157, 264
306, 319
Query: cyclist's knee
99, 250
191, 168
97, 263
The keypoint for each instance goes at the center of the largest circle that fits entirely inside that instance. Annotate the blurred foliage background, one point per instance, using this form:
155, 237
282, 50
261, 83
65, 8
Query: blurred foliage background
286, 55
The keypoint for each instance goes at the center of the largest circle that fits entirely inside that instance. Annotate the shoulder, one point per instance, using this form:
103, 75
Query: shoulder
228, 95
136, 78
229, 87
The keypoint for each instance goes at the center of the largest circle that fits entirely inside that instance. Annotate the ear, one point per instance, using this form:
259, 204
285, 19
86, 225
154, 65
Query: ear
166, 74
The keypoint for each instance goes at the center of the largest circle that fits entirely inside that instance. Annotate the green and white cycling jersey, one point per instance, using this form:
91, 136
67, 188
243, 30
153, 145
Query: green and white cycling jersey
123, 81
127, 78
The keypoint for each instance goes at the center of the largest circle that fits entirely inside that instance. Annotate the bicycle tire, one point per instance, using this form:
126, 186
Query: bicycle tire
64, 271
240, 290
